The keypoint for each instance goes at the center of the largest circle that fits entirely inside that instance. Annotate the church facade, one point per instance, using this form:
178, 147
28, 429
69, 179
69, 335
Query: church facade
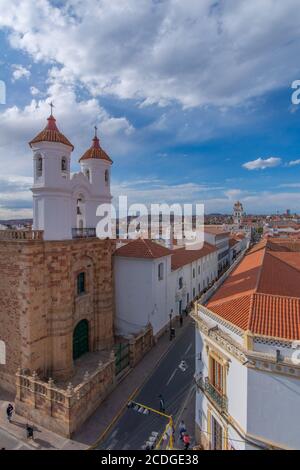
56, 290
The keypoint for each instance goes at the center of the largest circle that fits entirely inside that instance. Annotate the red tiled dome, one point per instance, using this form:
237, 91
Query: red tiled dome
95, 151
51, 133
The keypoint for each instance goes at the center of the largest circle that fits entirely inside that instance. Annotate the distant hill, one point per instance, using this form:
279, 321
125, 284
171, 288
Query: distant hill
16, 222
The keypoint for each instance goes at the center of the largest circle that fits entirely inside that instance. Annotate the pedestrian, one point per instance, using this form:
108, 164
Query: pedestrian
162, 407
186, 441
9, 412
29, 431
182, 429
181, 320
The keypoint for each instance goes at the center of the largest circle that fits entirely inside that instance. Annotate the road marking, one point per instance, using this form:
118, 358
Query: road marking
187, 350
172, 376
183, 366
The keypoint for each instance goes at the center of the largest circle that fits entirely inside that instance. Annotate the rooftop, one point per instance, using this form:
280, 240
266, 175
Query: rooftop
51, 133
182, 256
262, 294
148, 249
95, 151
142, 248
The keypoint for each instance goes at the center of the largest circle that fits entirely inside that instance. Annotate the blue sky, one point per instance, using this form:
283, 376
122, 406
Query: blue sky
193, 101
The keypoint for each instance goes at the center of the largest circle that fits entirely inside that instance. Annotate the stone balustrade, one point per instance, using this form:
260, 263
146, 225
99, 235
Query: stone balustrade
63, 410
19, 235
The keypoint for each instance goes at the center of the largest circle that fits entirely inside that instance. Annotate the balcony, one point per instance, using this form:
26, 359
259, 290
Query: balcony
83, 233
216, 396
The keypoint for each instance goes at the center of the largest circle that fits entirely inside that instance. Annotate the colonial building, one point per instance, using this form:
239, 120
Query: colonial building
218, 237
247, 353
56, 290
153, 282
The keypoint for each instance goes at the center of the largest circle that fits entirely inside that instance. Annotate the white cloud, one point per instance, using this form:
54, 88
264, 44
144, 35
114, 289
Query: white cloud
262, 164
34, 91
294, 162
193, 52
19, 71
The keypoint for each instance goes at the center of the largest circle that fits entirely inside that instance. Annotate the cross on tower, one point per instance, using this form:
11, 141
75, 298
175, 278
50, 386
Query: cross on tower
51, 106
96, 128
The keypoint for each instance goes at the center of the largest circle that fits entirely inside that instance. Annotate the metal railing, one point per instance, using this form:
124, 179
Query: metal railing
84, 233
217, 397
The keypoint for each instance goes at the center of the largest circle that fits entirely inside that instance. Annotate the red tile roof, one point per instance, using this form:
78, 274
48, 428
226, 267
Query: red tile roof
51, 134
182, 256
142, 248
263, 293
215, 230
96, 152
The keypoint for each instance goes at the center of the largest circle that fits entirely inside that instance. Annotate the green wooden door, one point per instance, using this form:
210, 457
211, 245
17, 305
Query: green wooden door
81, 339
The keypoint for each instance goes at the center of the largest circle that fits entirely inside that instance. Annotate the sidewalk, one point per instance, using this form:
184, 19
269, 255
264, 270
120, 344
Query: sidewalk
94, 429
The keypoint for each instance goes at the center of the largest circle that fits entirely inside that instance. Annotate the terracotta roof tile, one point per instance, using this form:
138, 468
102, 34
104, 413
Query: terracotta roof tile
95, 152
142, 248
182, 256
51, 134
263, 293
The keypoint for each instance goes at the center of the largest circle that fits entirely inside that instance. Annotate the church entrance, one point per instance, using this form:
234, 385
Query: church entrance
81, 339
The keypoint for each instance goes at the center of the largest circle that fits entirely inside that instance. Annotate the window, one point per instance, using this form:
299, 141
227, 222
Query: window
160, 271
199, 288
81, 283
217, 375
194, 273
187, 298
106, 176
39, 166
194, 292
87, 174
64, 164
180, 283
198, 269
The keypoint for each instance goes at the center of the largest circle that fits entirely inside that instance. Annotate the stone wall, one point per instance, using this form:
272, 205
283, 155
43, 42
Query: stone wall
39, 306
63, 410
139, 345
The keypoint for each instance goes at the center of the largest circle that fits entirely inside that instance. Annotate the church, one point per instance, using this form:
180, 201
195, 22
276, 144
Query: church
57, 290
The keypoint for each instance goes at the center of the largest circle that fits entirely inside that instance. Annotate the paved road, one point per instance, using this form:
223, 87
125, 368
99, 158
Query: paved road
132, 430
11, 443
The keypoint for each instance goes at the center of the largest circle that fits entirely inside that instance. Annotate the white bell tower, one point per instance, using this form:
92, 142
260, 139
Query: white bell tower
96, 166
52, 205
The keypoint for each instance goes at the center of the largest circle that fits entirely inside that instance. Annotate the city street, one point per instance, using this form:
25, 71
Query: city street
173, 379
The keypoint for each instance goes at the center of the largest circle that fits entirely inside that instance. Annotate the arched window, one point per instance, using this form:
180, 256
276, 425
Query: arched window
106, 176
64, 164
81, 287
180, 283
87, 174
39, 166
